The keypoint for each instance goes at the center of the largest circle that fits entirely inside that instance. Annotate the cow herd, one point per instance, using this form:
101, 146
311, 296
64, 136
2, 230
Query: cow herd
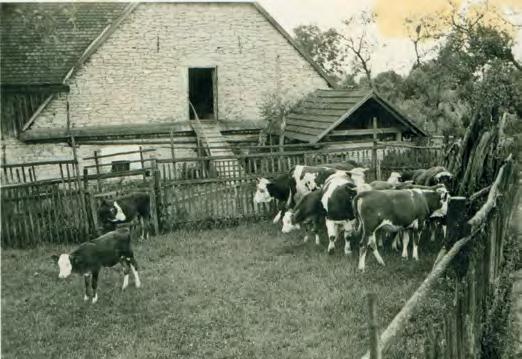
335, 195
339, 196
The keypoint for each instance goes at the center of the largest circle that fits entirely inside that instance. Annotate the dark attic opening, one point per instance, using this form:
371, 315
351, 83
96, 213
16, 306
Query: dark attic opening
201, 93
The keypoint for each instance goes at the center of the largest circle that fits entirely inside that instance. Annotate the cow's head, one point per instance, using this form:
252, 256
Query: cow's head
65, 264
442, 206
110, 211
107, 211
288, 222
262, 193
357, 175
444, 177
395, 177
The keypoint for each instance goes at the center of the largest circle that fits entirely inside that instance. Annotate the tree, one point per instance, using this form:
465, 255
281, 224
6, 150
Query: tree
360, 42
323, 47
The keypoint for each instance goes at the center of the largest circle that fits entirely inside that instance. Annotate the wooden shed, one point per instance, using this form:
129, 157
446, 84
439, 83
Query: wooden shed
347, 115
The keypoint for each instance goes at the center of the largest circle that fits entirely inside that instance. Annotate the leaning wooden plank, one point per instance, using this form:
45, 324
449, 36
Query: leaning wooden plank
399, 322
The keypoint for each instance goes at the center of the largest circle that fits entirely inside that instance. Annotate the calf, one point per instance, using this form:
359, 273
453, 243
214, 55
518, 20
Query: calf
125, 209
104, 251
393, 210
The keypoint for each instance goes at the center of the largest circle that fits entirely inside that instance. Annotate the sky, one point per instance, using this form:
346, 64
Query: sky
395, 51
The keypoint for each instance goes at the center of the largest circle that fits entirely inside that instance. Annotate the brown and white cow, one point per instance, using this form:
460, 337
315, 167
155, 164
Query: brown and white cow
394, 210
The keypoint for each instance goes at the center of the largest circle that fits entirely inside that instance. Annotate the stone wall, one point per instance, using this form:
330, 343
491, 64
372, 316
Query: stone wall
140, 74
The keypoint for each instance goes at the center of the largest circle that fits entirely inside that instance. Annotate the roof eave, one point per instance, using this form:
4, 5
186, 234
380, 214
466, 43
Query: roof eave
292, 42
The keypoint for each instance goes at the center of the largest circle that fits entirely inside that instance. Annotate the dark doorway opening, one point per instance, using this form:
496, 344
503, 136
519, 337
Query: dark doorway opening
202, 92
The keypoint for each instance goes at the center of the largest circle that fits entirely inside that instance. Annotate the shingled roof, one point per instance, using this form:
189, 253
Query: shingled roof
324, 110
41, 42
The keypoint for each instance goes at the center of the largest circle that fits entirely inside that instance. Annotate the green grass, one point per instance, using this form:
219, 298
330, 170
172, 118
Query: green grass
242, 292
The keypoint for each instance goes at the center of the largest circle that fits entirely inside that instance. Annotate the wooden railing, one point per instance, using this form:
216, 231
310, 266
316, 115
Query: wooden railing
476, 253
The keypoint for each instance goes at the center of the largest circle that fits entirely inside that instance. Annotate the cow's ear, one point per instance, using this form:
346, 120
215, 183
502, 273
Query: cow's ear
365, 169
55, 258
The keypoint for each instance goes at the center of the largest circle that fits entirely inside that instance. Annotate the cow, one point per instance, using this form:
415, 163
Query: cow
392, 182
432, 176
393, 210
290, 187
334, 203
125, 209
105, 251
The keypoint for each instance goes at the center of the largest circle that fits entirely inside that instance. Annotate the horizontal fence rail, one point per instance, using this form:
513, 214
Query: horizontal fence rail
184, 191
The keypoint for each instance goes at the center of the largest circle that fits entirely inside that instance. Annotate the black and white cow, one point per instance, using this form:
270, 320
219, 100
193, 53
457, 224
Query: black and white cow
288, 188
105, 251
334, 203
393, 210
125, 209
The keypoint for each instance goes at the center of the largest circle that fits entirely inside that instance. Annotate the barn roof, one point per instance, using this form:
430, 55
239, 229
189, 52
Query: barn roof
41, 42
324, 110
74, 31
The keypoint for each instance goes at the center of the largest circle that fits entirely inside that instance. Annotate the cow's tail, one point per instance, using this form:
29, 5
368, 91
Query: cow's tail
358, 227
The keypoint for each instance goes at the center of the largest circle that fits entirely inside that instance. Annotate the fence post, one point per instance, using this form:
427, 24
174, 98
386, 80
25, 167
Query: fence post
456, 224
155, 197
375, 351
374, 148
97, 163
142, 161
91, 202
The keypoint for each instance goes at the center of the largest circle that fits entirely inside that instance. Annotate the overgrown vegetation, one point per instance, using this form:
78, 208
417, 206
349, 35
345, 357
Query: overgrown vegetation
469, 70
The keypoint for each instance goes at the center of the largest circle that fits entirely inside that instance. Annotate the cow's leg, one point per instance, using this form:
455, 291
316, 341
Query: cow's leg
95, 285
373, 244
134, 268
396, 239
363, 247
142, 225
87, 279
307, 229
331, 229
444, 230
348, 232
315, 230
416, 237
126, 270
405, 241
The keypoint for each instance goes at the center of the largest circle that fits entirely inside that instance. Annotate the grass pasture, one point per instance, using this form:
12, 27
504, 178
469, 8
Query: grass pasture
241, 292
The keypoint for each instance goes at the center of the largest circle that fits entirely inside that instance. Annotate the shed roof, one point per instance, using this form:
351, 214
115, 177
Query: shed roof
324, 110
45, 44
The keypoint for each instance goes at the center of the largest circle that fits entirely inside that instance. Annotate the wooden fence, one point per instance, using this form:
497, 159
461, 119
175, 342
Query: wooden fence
476, 259
184, 191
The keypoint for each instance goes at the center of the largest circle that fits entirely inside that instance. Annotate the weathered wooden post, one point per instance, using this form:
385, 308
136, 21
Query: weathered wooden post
456, 225
90, 204
375, 351
155, 197
97, 163
374, 148
142, 161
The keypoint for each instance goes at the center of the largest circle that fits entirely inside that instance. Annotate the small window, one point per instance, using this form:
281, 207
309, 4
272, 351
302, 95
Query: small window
120, 166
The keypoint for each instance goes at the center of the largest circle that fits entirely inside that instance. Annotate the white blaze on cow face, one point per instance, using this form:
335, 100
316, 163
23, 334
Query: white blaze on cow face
446, 174
357, 175
288, 226
394, 178
119, 216
262, 195
444, 198
308, 183
65, 266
